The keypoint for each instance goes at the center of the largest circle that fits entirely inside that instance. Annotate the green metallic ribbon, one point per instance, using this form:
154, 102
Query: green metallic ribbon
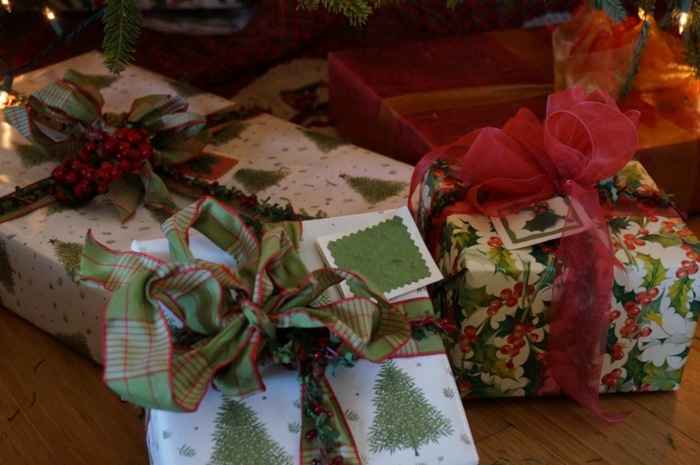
234, 314
59, 118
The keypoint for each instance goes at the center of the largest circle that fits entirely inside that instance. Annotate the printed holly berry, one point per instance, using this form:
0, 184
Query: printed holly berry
687, 268
612, 378
467, 338
99, 162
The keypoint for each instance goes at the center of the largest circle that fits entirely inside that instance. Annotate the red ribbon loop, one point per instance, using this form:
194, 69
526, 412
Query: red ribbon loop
582, 140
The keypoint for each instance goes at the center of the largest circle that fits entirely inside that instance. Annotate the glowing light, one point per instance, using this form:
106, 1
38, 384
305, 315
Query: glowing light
682, 21
4, 98
6, 4
642, 14
51, 16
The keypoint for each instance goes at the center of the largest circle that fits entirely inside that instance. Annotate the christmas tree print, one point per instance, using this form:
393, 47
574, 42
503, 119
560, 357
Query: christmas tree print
101, 81
76, 341
257, 180
6, 277
323, 142
69, 255
230, 133
374, 190
404, 418
241, 439
31, 156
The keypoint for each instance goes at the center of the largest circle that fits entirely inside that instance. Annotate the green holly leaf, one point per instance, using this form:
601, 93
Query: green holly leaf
504, 262
678, 292
618, 223
543, 221
656, 271
662, 377
463, 239
665, 239
495, 365
473, 298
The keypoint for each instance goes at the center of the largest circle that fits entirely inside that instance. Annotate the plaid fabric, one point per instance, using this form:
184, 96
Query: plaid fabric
279, 31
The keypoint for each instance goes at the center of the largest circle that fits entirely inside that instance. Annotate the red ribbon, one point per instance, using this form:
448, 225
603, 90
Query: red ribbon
582, 140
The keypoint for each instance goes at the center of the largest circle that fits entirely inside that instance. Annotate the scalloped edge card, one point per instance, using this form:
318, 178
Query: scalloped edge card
388, 250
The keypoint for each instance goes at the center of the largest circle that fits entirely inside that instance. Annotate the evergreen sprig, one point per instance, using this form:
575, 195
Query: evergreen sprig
122, 27
614, 9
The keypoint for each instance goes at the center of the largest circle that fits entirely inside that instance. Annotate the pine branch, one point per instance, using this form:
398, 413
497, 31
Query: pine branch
122, 25
357, 11
613, 9
638, 53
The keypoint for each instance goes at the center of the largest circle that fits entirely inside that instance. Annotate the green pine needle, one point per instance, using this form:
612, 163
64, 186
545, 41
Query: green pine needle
122, 25
613, 9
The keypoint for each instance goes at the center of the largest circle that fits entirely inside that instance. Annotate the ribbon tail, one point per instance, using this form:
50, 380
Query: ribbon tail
334, 418
156, 192
125, 196
582, 294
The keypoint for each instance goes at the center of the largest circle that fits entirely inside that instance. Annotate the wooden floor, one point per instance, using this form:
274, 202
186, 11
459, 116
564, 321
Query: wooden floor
54, 410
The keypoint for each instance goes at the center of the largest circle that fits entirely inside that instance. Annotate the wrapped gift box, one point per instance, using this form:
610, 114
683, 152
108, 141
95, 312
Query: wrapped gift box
405, 100
40, 252
498, 307
265, 427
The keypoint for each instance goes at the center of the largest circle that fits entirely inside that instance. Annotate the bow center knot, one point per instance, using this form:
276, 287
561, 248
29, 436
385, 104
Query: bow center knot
259, 319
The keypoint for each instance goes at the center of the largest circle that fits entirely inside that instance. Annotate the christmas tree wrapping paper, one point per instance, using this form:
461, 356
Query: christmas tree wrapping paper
404, 100
397, 410
501, 297
40, 252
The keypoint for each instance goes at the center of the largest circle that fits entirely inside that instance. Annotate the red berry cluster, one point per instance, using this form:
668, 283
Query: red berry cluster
540, 208
466, 338
632, 241
618, 351
509, 297
613, 377
495, 241
516, 341
631, 328
100, 162
669, 226
687, 268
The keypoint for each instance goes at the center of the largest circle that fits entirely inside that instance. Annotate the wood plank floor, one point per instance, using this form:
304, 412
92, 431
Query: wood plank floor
55, 410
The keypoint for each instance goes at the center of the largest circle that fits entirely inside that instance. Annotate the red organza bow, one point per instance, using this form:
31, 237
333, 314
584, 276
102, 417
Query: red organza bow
582, 140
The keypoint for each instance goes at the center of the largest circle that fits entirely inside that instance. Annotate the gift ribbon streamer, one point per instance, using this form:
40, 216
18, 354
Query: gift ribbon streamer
59, 118
582, 141
235, 313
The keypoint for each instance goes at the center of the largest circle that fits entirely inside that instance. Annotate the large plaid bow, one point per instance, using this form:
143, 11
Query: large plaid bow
61, 117
232, 313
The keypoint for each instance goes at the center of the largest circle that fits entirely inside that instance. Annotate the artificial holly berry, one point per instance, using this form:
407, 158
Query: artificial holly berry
101, 160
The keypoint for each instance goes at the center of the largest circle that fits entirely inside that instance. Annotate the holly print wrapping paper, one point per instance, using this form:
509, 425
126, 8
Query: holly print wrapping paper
500, 299
267, 157
403, 410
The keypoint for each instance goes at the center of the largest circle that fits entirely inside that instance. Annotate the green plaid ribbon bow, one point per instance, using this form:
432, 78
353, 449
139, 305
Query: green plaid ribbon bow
234, 314
61, 117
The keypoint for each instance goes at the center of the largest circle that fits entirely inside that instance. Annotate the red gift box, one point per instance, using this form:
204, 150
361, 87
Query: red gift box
405, 100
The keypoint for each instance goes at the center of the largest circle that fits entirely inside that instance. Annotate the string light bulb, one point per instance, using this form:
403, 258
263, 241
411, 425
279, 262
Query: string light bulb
5, 96
684, 15
51, 16
682, 21
6, 5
